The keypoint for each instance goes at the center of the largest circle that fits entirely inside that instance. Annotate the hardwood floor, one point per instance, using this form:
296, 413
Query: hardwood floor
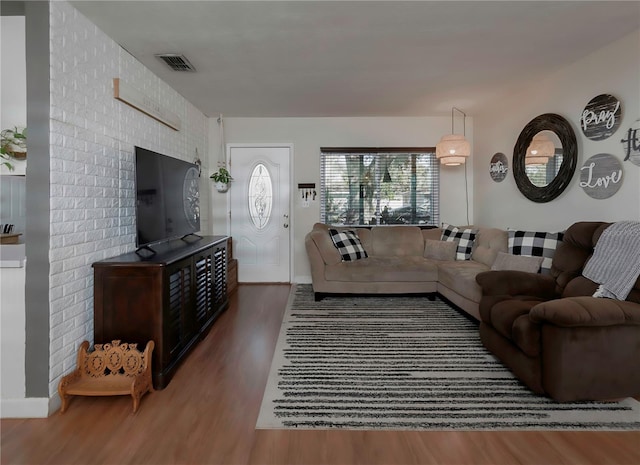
208, 412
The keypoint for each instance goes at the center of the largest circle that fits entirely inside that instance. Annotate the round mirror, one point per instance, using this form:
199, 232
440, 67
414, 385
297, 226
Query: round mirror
544, 157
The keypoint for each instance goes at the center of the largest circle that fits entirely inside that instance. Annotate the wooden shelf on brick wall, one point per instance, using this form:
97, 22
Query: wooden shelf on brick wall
232, 268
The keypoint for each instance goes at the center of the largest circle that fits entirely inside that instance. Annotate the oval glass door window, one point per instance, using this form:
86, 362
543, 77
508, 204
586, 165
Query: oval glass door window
260, 196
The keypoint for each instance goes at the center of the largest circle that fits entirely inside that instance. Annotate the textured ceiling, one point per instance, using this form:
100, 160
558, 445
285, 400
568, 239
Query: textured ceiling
358, 58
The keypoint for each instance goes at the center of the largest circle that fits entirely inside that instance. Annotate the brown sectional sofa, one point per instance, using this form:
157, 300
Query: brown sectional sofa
396, 264
554, 336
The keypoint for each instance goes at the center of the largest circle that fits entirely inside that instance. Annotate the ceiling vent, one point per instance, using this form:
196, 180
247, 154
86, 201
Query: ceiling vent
176, 62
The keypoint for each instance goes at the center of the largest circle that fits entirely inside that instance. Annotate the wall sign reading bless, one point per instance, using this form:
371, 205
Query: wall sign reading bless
601, 117
601, 176
499, 167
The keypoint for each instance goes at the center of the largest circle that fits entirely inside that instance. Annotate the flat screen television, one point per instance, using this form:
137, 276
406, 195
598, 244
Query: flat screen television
167, 198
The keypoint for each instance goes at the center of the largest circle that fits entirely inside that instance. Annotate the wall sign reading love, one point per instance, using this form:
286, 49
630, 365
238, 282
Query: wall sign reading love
601, 117
601, 176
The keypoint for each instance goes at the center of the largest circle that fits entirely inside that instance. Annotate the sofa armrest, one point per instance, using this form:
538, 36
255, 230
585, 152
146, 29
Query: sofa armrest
509, 282
319, 244
586, 311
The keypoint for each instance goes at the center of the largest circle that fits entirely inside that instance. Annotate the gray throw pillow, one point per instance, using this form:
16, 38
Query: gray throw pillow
440, 250
507, 261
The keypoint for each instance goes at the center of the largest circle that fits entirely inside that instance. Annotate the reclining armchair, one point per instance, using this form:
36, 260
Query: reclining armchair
557, 338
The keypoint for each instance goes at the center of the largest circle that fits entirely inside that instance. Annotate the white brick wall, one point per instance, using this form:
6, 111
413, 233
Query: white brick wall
92, 167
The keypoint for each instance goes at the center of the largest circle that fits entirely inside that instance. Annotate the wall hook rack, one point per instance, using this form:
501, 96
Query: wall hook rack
307, 191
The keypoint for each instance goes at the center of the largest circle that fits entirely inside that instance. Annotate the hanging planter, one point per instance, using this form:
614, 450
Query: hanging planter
223, 179
222, 186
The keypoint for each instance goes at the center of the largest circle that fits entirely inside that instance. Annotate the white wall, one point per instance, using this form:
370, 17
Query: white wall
309, 134
13, 90
614, 69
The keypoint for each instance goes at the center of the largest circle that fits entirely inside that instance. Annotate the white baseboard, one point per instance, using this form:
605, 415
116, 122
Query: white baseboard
54, 403
302, 280
32, 407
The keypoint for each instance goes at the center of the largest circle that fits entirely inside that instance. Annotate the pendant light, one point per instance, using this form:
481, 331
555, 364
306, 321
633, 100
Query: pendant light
453, 149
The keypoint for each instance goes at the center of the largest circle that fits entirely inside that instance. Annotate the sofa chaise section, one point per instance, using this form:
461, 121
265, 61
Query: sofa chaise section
457, 278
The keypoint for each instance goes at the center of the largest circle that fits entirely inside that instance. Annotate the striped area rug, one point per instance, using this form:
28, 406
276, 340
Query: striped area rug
405, 363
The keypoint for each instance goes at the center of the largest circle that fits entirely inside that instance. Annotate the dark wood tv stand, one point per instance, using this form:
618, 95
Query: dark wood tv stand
171, 298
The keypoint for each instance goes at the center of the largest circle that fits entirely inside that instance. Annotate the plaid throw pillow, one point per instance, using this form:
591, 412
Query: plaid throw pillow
535, 244
348, 244
463, 237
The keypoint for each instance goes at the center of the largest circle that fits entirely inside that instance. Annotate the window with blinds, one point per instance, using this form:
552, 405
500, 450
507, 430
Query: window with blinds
363, 186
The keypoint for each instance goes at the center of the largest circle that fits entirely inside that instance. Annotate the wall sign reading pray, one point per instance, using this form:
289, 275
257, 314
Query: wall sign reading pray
601, 117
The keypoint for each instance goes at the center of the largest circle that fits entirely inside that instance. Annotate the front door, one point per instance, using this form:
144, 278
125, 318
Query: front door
260, 212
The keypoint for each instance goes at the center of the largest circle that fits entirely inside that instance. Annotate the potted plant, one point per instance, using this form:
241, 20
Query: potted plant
222, 178
13, 144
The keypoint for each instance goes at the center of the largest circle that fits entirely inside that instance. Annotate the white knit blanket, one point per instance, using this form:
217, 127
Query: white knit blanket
615, 263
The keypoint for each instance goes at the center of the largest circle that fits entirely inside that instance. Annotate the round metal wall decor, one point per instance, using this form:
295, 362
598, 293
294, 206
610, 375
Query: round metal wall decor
601, 176
631, 143
499, 167
601, 117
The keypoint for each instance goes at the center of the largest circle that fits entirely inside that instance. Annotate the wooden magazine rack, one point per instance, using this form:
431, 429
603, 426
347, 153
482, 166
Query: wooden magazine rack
109, 370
